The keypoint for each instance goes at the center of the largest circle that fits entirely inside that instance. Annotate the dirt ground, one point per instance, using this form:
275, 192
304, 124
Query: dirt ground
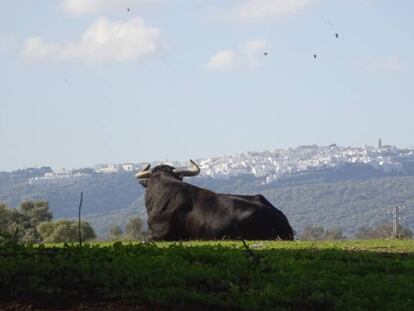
92, 307
118, 306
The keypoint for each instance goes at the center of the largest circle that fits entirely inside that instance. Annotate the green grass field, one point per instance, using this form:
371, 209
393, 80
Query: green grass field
340, 275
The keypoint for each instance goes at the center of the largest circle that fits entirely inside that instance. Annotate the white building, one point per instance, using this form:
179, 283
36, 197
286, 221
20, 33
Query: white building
128, 167
107, 168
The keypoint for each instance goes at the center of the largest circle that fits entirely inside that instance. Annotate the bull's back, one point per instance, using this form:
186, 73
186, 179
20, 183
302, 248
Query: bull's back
265, 220
218, 216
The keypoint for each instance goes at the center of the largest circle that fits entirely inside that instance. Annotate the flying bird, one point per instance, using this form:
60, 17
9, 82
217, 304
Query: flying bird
315, 55
128, 9
265, 53
337, 35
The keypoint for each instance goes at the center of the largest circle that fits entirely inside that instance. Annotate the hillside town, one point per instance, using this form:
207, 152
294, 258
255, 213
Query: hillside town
269, 164
273, 164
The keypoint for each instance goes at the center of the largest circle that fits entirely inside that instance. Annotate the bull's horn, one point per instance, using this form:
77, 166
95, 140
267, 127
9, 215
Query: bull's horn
193, 171
144, 173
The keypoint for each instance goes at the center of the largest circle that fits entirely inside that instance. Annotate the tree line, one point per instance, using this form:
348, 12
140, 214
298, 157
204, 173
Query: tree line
382, 231
32, 222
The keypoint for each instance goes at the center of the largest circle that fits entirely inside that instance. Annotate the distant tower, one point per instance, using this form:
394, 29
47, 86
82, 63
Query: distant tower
379, 143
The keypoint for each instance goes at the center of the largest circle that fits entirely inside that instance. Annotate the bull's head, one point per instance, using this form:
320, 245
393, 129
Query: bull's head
145, 174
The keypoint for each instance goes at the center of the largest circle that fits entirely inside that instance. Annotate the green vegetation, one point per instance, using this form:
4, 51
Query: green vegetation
134, 231
342, 275
347, 204
319, 233
115, 233
65, 231
20, 225
32, 223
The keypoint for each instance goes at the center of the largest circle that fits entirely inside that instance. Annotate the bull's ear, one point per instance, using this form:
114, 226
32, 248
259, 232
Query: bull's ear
193, 171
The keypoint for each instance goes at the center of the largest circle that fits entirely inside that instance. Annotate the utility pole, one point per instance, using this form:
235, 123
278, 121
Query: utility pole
79, 219
396, 222
396, 211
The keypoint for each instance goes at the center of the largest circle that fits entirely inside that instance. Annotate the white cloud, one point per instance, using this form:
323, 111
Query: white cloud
104, 41
244, 58
259, 10
226, 59
385, 64
255, 47
81, 7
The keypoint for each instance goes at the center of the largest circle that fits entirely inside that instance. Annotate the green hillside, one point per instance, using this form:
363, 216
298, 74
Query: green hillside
346, 204
111, 199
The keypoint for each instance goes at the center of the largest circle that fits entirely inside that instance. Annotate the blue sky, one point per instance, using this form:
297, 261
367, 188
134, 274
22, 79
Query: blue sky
89, 81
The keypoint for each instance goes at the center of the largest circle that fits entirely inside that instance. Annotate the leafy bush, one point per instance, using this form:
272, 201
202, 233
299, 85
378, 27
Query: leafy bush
288, 276
319, 233
17, 226
65, 231
134, 228
115, 233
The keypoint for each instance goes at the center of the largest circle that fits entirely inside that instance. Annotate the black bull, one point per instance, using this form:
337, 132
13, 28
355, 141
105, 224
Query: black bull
181, 211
